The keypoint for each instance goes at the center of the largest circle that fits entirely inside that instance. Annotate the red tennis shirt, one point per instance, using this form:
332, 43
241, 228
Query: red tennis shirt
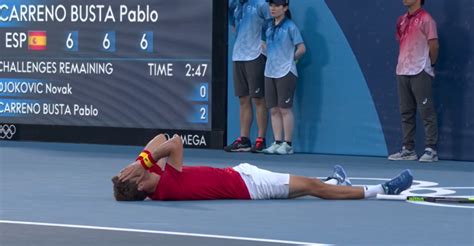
414, 31
199, 183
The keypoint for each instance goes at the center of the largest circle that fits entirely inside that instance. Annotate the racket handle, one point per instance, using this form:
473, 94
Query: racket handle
391, 197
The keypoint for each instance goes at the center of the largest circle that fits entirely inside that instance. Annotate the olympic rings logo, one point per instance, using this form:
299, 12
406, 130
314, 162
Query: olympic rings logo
7, 131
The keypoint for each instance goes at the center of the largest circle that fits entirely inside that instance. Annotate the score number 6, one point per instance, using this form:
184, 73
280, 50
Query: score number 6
108, 43
72, 43
146, 41
69, 41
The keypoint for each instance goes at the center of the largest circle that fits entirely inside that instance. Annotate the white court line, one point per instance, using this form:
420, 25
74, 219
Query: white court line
159, 232
441, 205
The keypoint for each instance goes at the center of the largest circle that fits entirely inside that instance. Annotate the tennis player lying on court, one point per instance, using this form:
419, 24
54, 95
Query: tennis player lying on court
168, 179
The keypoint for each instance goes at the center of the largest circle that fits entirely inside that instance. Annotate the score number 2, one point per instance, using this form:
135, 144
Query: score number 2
200, 114
203, 111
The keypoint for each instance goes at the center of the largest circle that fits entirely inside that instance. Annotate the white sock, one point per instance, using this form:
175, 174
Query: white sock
372, 190
331, 181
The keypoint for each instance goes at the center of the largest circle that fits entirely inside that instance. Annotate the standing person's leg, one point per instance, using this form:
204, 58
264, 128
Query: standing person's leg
288, 123
256, 79
262, 121
286, 90
271, 100
408, 119
246, 116
422, 89
277, 123
407, 111
261, 115
241, 90
286, 147
255, 73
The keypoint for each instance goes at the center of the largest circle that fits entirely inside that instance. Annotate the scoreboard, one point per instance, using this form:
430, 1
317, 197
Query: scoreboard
115, 72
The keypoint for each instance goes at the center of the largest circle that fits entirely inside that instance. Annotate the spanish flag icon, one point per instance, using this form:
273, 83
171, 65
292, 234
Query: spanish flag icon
37, 40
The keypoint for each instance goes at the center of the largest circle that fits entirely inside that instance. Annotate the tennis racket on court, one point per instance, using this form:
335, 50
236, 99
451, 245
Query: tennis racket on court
436, 199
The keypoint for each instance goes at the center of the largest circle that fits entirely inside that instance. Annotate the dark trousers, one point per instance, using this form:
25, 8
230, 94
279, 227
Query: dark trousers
416, 92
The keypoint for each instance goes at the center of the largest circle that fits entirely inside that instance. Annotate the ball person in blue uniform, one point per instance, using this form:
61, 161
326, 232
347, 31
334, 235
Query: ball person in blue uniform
284, 45
248, 18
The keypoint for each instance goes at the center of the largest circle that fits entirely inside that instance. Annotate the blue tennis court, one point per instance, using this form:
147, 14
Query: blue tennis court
56, 194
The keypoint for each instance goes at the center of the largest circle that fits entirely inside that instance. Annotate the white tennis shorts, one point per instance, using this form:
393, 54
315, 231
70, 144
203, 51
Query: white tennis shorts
263, 184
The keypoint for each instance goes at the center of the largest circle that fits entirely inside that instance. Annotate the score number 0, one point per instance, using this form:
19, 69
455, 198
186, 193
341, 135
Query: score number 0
203, 96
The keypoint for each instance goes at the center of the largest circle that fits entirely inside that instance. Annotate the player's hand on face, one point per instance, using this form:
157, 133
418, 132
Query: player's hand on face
133, 170
131, 164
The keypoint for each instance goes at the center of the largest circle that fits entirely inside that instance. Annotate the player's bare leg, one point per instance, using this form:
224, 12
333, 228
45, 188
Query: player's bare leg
304, 186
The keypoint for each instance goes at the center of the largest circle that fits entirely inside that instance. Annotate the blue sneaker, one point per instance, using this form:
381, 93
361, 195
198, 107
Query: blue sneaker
399, 183
341, 176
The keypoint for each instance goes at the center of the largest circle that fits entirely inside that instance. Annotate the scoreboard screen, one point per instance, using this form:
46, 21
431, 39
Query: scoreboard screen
113, 71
